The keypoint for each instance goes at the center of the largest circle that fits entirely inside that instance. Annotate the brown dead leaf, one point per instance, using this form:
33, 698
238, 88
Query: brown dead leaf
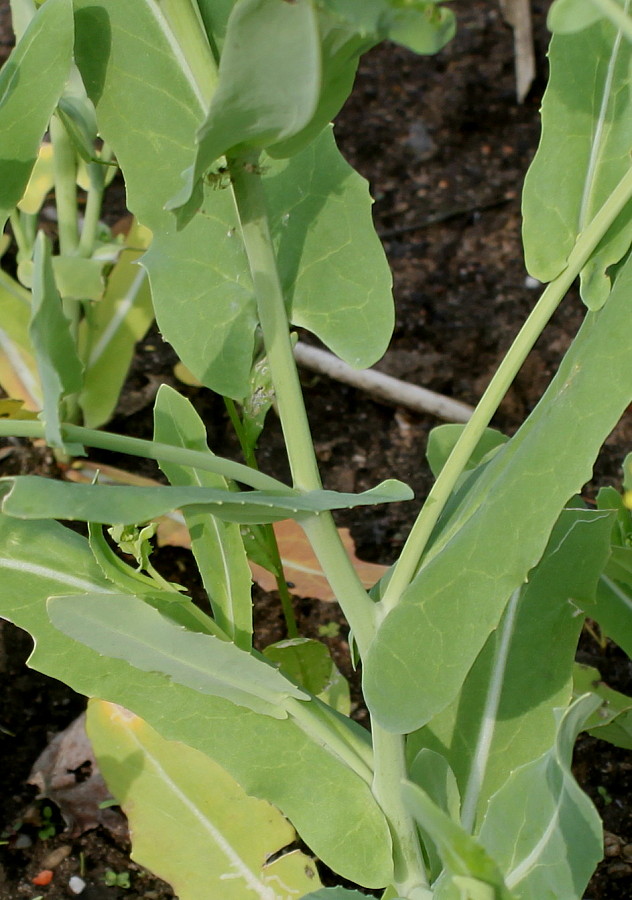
67, 773
302, 570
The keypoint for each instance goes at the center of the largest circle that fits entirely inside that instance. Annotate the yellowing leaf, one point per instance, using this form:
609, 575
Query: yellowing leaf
14, 409
191, 823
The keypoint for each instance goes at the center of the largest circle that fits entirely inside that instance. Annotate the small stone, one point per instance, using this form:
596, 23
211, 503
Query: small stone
532, 283
76, 884
56, 856
22, 841
611, 844
626, 852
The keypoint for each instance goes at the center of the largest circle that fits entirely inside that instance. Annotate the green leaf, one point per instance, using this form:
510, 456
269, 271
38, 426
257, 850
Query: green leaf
612, 721
76, 278
170, 603
552, 848
308, 663
477, 562
613, 611
127, 628
60, 371
569, 16
583, 153
502, 717
255, 103
31, 497
217, 546
461, 854
432, 772
191, 823
320, 211
420, 25
329, 804
31, 82
442, 439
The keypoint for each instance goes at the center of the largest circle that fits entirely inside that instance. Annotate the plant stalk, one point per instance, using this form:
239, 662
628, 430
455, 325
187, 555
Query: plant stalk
119, 443
410, 878
408, 563
253, 216
65, 173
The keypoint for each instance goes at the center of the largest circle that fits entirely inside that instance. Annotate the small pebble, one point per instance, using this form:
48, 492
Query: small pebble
76, 884
56, 856
22, 841
532, 283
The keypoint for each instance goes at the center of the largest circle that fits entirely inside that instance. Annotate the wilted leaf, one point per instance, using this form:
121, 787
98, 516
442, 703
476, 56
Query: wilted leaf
67, 773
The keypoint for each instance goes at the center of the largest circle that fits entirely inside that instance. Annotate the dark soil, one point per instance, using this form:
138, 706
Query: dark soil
445, 147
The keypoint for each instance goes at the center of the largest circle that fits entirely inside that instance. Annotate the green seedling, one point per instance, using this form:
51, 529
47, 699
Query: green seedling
116, 879
221, 754
48, 828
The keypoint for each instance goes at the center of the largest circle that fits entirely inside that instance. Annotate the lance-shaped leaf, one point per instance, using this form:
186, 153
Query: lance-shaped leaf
112, 328
217, 546
583, 153
503, 715
127, 628
59, 367
329, 803
18, 371
31, 83
223, 838
461, 854
418, 661
31, 497
553, 847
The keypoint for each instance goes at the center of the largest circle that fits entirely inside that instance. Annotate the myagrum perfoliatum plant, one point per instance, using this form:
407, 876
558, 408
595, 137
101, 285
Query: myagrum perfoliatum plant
85, 341
218, 114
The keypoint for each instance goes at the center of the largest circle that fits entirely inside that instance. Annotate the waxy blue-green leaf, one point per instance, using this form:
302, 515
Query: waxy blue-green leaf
213, 328
418, 661
125, 627
328, 802
569, 16
217, 546
553, 846
461, 854
31, 82
31, 497
584, 152
432, 772
503, 716
333, 270
257, 104
59, 368
223, 838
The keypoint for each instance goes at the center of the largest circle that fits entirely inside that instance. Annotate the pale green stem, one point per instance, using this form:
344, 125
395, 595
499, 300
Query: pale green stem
25, 248
65, 171
119, 443
410, 879
552, 296
253, 216
94, 200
